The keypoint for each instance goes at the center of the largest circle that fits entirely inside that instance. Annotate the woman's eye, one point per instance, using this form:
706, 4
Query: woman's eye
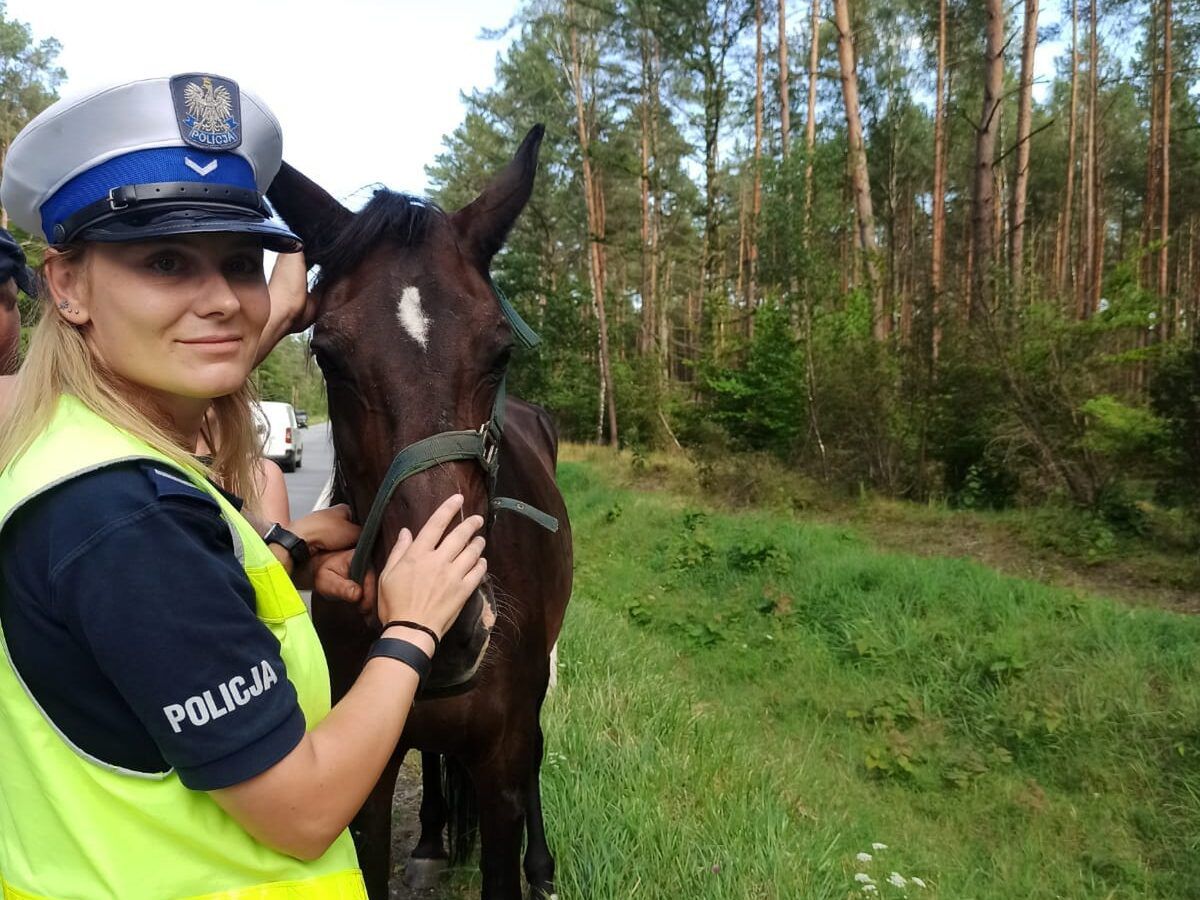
246, 266
166, 264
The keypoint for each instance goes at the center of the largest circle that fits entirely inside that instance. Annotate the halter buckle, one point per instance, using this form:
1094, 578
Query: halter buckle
489, 445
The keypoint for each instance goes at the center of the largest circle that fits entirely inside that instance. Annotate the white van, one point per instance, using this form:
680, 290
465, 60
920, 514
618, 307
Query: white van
280, 434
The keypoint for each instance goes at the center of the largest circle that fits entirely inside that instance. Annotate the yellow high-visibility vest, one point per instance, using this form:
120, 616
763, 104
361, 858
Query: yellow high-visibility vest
75, 828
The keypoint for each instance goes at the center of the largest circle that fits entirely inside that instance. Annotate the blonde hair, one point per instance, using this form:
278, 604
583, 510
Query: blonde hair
59, 361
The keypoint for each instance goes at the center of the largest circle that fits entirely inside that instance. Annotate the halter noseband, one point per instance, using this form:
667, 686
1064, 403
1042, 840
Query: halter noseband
481, 445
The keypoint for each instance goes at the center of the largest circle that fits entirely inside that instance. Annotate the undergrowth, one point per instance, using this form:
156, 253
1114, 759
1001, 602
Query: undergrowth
747, 705
1133, 549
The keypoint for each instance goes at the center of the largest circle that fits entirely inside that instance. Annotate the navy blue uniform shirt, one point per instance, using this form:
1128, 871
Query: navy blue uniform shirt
131, 622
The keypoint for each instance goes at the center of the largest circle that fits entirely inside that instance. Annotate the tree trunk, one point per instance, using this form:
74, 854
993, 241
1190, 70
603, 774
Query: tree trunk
1024, 124
756, 199
713, 76
785, 110
662, 298
937, 250
984, 199
595, 221
646, 334
860, 181
1164, 182
810, 121
1091, 252
1145, 269
1063, 253
743, 253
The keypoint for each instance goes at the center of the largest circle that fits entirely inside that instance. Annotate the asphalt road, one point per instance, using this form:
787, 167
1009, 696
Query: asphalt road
307, 483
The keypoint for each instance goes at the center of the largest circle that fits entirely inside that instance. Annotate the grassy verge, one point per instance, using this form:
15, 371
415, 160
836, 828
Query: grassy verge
747, 703
1156, 563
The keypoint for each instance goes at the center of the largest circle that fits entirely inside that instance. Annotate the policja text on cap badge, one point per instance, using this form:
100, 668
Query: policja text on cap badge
209, 111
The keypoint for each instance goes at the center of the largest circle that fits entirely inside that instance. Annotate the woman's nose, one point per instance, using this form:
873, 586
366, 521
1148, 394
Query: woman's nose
217, 297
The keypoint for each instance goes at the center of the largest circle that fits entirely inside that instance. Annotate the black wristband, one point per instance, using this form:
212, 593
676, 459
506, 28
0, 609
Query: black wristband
404, 623
404, 651
295, 545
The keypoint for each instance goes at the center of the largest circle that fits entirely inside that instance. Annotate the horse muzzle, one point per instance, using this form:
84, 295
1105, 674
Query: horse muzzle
463, 648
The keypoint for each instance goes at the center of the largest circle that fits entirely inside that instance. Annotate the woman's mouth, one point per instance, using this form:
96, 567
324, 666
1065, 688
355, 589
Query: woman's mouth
214, 343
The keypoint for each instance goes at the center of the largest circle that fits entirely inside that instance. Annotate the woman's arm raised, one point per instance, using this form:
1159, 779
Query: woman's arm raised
301, 804
292, 308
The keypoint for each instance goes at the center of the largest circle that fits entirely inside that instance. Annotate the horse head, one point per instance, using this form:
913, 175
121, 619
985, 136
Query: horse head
413, 342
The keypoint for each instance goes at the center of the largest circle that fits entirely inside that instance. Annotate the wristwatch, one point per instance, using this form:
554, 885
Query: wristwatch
295, 545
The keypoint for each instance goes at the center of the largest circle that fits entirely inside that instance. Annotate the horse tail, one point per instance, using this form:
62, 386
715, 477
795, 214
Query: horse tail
462, 810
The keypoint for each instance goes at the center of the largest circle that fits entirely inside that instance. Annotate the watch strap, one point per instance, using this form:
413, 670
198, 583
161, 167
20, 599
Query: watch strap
404, 651
295, 545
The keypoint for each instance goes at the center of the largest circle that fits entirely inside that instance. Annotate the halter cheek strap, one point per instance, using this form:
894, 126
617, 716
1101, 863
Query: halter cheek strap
481, 445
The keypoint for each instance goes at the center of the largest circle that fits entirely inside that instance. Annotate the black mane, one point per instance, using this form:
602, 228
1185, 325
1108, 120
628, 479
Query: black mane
388, 214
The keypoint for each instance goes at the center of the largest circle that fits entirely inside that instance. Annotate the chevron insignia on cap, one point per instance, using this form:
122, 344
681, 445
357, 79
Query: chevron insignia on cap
199, 169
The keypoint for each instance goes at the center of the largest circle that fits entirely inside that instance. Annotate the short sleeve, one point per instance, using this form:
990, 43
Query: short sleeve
160, 600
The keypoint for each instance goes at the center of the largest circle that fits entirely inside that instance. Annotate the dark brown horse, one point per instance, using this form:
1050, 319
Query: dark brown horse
413, 341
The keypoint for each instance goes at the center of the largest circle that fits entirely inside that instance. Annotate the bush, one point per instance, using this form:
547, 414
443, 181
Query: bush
1175, 397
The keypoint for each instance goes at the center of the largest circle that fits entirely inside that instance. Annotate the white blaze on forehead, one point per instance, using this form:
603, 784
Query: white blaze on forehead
412, 317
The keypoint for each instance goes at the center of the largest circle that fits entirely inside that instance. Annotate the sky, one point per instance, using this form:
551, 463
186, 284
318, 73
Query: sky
364, 89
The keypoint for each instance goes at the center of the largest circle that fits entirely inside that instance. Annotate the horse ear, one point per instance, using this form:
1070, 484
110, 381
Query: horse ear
484, 223
315, 216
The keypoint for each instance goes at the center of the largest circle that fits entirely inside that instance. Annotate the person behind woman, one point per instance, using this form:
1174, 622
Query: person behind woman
14, 274
165, 728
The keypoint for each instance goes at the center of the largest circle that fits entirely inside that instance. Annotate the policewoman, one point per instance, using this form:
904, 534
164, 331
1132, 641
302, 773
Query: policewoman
165, 727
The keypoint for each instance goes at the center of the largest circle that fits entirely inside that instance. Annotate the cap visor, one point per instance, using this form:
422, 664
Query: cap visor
26, 281
146, 226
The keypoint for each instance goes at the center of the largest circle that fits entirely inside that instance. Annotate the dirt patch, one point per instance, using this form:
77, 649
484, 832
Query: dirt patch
406, 828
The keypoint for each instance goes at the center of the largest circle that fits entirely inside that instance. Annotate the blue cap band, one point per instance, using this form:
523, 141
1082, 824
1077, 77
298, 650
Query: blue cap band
160, 164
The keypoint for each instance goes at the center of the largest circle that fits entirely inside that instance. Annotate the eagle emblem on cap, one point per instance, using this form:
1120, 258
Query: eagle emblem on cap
208, 110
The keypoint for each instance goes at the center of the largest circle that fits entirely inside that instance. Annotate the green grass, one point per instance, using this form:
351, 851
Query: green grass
1148, 555
747, 702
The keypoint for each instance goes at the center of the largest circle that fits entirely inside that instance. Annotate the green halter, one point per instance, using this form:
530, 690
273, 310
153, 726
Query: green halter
481, 445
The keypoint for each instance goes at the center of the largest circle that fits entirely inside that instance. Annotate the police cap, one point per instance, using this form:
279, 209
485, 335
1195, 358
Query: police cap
12, 264
160, 156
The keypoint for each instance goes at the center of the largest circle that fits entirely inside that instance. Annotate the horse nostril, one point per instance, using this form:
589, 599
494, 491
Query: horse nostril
487, 615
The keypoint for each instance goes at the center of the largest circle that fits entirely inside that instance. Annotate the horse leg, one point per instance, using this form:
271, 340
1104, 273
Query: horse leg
539, 863
503, 787
554, 666
372, 831
429, 858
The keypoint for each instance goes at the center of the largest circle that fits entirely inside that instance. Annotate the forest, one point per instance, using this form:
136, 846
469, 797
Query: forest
887, 246
871, 240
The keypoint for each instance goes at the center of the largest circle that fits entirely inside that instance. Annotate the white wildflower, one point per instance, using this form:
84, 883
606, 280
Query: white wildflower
863, 878
897, 879
878, 846
869, 889
918, 882
863, 857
